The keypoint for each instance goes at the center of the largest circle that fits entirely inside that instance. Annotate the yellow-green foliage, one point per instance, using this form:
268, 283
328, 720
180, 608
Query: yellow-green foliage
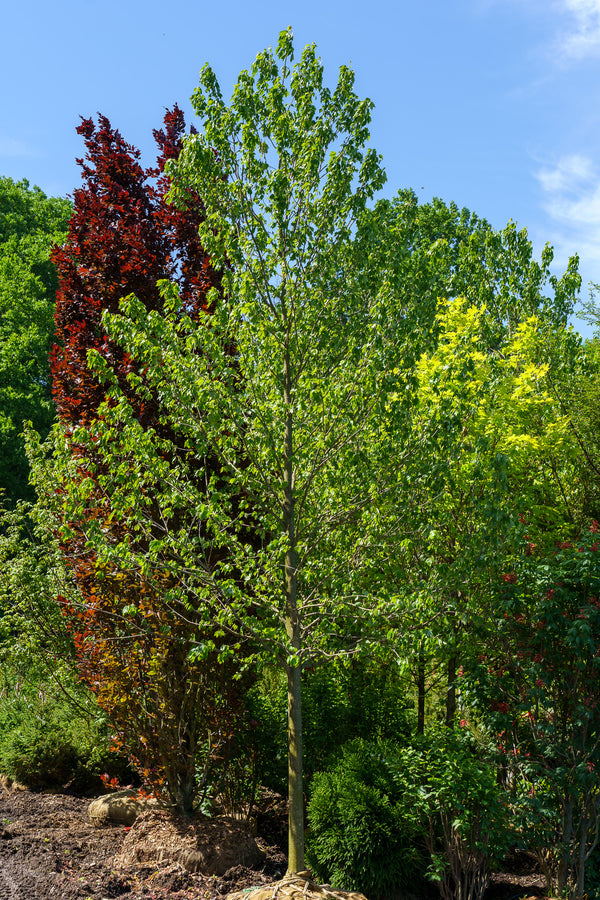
499, 401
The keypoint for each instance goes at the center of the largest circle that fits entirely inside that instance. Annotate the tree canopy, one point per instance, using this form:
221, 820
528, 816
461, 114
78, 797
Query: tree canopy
296, 426
30, 225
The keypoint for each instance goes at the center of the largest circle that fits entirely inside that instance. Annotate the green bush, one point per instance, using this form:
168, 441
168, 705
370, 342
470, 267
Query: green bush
38, 756
350, 699
449, 787
51, 731
358, 836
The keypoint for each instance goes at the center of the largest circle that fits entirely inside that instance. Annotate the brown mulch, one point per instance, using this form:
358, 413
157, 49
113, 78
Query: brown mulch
520, 878
49, 849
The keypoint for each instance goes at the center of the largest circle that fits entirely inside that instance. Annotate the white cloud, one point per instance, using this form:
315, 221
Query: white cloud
569, 174
577, 28
582, 38
571, 199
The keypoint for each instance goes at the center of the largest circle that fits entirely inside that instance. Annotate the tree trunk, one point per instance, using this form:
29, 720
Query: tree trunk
421, 693
451, 692
295, 789
292, 625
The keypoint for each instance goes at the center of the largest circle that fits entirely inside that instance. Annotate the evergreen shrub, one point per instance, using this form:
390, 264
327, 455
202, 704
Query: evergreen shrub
359, 837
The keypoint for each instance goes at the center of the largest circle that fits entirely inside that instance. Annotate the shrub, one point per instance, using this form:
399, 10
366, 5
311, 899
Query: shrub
38, 756
342, 701
448, 785
51, 731
359, 838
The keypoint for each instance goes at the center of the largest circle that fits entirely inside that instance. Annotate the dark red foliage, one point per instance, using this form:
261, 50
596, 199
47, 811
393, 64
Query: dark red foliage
123, 238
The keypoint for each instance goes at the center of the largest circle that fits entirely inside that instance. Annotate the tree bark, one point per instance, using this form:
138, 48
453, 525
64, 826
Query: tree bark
451, 692
295, 788
292, 624
421, 693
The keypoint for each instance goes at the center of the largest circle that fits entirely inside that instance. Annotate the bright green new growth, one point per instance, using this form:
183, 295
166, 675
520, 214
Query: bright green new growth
284, 386
283, 178
30, 223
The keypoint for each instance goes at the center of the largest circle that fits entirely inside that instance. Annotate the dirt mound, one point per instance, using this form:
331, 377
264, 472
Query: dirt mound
209, 846
49, 849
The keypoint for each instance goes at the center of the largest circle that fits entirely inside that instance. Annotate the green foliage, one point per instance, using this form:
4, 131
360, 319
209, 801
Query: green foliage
292, 418
385, 815
576, 386
51, 732
360, 837
38, 756
342, 700
451, 790
267, 707
435, 250
376, 398
30, 224
349, 699
542, 688
46, 713
494, 441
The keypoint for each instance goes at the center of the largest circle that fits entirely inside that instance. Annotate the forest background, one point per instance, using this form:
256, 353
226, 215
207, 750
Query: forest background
395, 433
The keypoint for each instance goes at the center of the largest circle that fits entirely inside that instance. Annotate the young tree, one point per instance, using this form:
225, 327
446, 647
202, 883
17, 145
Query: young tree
299, 418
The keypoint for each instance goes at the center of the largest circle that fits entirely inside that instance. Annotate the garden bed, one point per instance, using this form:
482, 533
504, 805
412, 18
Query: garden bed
50, 849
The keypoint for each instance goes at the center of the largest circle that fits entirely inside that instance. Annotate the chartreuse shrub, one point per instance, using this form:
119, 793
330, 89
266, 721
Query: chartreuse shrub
360, 837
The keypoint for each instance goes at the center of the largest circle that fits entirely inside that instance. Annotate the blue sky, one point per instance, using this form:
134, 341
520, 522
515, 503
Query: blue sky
492, 104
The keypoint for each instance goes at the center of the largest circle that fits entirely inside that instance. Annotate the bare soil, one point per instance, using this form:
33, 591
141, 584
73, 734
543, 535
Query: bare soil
49, 849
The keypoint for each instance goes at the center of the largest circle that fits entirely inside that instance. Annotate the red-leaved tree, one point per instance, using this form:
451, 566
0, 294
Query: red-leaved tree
174, 715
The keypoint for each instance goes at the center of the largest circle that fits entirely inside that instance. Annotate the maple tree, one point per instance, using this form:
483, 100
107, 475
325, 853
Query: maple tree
298, 417
170, 713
